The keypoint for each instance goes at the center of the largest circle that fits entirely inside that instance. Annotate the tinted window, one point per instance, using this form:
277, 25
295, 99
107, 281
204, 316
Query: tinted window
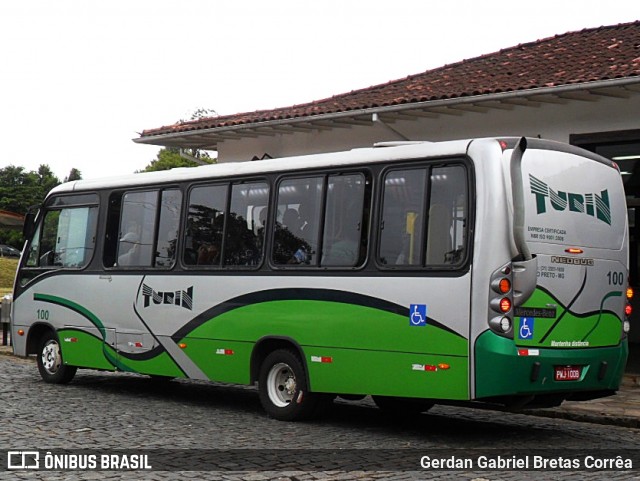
244, 233
168, 225
344, 227
142, 229
205, 224
402, 234
298, 221
137, 229
225, 225
424, 217
322, 214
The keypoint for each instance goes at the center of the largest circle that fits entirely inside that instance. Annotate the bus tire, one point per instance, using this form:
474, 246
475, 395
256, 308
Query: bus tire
50, 363
401, 406
282, 387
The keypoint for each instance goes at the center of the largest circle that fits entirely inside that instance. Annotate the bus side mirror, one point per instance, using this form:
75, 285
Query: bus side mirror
29, 225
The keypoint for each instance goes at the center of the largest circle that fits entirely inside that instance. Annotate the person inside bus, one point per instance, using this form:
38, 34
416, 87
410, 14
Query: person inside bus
344, 248
289, 247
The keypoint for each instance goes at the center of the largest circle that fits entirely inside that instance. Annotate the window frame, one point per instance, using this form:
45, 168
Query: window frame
428, 165
58, 203
122, 192
229, 183
368, 202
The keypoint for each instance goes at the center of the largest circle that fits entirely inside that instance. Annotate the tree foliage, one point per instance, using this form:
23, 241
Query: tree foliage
170, 158
21, 189
74, 174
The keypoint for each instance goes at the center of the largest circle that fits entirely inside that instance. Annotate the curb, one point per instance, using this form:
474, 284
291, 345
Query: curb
587, 417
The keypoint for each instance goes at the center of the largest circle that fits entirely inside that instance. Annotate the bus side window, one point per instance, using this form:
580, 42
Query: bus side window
401, 237
205, 224
446, 232
408, 237
170, 204
344, 239
137, 229
298, 220
243, 240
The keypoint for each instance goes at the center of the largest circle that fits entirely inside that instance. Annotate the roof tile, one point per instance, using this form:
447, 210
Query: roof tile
587, 55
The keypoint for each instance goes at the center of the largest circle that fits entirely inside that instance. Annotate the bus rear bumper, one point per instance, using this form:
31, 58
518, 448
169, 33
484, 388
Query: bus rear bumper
530, 377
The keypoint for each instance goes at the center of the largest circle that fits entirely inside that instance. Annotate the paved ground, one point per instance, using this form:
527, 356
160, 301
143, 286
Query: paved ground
199, 427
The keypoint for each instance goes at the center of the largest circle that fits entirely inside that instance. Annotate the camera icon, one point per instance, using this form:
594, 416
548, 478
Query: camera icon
23, 460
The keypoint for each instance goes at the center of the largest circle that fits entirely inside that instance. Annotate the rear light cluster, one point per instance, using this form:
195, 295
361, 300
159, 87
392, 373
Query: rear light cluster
626, 325
501, 301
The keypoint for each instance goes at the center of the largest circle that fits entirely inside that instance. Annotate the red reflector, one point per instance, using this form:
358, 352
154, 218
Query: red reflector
503, 145
429, 367
574, 250
628, 310
326, 359
505, 304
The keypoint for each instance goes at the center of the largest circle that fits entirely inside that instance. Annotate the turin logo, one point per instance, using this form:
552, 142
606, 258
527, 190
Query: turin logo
174, 298
592, 204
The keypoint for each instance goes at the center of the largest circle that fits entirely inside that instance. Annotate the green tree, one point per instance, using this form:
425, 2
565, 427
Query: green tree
74, 174
170, 158
20, 190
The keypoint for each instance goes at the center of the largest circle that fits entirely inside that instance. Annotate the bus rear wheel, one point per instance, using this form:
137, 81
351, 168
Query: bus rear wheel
282, 386
50, 363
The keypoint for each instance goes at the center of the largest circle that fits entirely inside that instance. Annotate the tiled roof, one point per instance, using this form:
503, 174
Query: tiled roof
587, 55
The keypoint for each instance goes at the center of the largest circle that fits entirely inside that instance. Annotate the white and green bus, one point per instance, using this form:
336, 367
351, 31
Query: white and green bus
478, 271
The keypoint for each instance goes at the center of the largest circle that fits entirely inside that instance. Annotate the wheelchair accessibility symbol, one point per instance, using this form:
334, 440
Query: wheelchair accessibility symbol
418, 314
526, 328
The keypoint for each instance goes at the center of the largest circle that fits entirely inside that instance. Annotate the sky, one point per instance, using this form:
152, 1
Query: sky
79, 79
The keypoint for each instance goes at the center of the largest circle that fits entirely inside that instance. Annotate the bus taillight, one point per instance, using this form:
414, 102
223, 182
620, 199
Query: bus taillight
505, 304
628, 310
501, 301
629, 293
501, 285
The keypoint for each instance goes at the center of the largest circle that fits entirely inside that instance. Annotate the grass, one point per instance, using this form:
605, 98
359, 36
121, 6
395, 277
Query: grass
8, 268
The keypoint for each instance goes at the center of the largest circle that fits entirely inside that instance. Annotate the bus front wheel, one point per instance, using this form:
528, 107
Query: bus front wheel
50, 363
282, 386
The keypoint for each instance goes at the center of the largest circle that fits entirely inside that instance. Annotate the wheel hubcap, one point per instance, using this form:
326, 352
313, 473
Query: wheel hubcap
51, 358
282, 386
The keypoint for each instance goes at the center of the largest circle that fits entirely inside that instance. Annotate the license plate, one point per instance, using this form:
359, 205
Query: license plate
568, 373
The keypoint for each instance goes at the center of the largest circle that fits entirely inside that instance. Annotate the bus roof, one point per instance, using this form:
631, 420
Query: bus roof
382, 152
245, 168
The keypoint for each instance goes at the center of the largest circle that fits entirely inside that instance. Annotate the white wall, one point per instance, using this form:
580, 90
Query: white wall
549, 121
